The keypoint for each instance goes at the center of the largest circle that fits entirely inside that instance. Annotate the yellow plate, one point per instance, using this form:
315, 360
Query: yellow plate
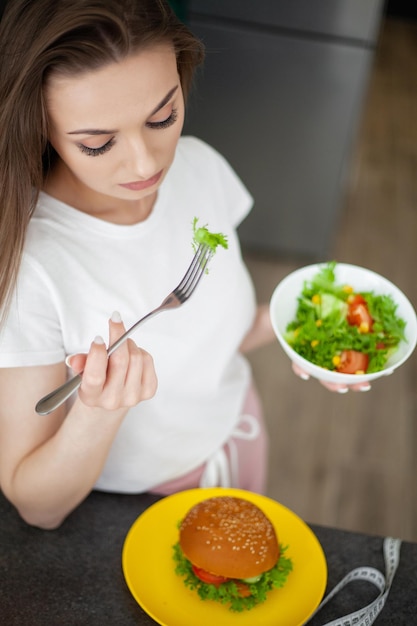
149, 568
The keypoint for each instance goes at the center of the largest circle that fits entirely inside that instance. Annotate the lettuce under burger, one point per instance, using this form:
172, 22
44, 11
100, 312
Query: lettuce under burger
228, 551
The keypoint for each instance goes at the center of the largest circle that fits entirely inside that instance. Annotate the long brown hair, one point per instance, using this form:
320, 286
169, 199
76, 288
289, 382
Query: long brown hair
42, 37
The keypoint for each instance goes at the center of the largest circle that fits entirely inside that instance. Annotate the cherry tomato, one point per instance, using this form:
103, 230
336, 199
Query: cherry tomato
208, 577
352, 361
358, 312
356, 298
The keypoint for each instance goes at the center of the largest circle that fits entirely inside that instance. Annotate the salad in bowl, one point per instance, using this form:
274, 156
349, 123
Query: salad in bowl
342, 323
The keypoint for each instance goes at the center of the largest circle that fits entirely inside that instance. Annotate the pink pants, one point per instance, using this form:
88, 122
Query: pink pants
252, 456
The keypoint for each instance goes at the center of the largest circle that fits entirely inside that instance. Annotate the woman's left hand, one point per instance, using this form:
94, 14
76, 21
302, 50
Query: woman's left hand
339, 388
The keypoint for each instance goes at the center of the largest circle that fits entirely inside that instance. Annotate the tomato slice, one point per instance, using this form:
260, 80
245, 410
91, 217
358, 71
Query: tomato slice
352, 361
356, 298
213, 579
358, 312
243, 589
208, 577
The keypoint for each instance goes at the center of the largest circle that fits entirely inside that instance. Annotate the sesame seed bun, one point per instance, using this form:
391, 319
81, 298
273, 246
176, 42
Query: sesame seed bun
229, 537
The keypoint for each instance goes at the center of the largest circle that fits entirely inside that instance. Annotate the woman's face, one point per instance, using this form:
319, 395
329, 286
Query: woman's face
116, 130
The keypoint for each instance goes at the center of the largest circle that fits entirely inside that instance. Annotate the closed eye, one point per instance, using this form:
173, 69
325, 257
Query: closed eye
171, 119
97, 151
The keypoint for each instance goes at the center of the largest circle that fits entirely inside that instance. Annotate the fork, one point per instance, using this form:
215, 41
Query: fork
176, 298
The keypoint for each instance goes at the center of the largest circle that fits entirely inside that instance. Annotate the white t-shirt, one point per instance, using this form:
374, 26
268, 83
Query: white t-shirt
78, 269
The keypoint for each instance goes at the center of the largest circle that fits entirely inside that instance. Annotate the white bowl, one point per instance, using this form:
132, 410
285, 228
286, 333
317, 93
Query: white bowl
284, 304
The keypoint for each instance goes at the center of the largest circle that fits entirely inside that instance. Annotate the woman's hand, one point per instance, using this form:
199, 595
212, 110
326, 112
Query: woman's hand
332, 386
122, 380
59, 459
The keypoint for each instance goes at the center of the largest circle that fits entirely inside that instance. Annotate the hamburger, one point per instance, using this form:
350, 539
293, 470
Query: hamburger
228, 551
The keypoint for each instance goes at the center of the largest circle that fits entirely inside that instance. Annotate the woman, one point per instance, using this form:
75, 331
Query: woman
98, 195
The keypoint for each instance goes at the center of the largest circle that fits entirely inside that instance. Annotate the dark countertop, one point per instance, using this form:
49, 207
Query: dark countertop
73, 575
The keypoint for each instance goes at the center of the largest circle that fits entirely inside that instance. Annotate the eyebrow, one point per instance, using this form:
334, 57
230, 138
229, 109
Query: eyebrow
102, 131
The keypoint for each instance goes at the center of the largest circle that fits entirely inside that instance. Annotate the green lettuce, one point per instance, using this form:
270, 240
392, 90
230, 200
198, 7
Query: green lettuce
320, 329
201, 235
227, 593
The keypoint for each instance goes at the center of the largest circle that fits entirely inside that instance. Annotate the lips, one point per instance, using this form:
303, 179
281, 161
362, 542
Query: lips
138, 185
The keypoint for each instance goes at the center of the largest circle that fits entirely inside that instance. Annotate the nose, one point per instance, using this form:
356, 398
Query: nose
141, 158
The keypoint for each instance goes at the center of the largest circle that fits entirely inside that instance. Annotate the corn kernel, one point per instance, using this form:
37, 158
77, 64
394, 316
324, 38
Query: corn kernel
359, 372
319, 323
316, 299
314, 343
347, 288
363, 327
336, 360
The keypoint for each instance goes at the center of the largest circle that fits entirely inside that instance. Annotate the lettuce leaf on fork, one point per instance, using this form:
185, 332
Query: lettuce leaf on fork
202, 235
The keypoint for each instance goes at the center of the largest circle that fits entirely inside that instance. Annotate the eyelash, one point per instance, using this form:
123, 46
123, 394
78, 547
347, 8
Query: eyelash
154, 125
96, 151
165, 123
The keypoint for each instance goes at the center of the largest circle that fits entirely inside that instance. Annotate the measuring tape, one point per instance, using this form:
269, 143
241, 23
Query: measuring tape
367, 615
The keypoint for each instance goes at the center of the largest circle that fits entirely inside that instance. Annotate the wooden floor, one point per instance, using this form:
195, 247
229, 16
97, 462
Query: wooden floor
350, 461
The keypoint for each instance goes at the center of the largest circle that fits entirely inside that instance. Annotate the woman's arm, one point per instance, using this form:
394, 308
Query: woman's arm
49, 464
261, 332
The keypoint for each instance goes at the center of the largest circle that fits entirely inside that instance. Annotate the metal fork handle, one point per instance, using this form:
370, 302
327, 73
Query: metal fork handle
58, 396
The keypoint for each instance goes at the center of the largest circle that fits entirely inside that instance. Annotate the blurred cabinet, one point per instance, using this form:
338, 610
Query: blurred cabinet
280, 96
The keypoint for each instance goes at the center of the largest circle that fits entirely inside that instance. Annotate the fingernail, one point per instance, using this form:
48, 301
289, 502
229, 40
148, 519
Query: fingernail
342, 390
68, 359
365, 388
116, 317
304, 376
98, 340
